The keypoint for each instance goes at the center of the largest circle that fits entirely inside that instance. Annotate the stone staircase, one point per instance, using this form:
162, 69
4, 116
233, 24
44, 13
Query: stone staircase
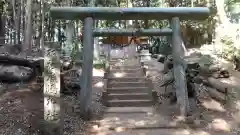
128, 100
129, 104
127, 86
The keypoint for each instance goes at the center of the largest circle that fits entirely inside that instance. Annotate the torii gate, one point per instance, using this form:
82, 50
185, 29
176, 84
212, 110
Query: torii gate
174, 14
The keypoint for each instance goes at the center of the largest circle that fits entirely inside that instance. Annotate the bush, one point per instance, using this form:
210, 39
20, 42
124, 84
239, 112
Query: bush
99, 64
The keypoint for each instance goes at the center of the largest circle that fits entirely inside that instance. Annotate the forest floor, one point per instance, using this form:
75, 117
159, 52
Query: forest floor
21, 109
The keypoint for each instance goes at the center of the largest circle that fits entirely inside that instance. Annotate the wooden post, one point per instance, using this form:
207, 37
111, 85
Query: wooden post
179, 71
86, 91
52, 101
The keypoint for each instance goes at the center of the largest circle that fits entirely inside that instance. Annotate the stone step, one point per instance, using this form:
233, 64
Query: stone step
125, 66
116, 61
129, 110
113, 59
124, 90
126, 71
128, 103
126, 84
128, 96
124, 74
126, 79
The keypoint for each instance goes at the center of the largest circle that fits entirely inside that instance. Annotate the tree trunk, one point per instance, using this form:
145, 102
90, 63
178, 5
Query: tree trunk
222, 22
52, 26
129, 4
13, 2
119, 5
59, 32
2, 33
38, 28
42, 27
146, 21
18, 24
77, 28
132, 47
48, 27
69, 43
96, 45
28, 26
19, 61
22, 21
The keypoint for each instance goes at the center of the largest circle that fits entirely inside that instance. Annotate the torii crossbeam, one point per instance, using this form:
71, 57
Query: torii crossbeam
136, 13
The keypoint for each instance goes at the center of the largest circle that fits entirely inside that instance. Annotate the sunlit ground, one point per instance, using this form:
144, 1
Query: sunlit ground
123, 131
99, 84
213, 105
98, 72
219, 124
119, 74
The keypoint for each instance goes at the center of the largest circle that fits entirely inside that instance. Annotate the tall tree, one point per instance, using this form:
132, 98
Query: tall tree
2, 33
223, 22
41, 27
28, 25
147, 4
18, 23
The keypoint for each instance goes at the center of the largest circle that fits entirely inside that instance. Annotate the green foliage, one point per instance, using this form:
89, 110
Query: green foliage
99, 64
229, 48
232, 8
161, 46
164, 48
